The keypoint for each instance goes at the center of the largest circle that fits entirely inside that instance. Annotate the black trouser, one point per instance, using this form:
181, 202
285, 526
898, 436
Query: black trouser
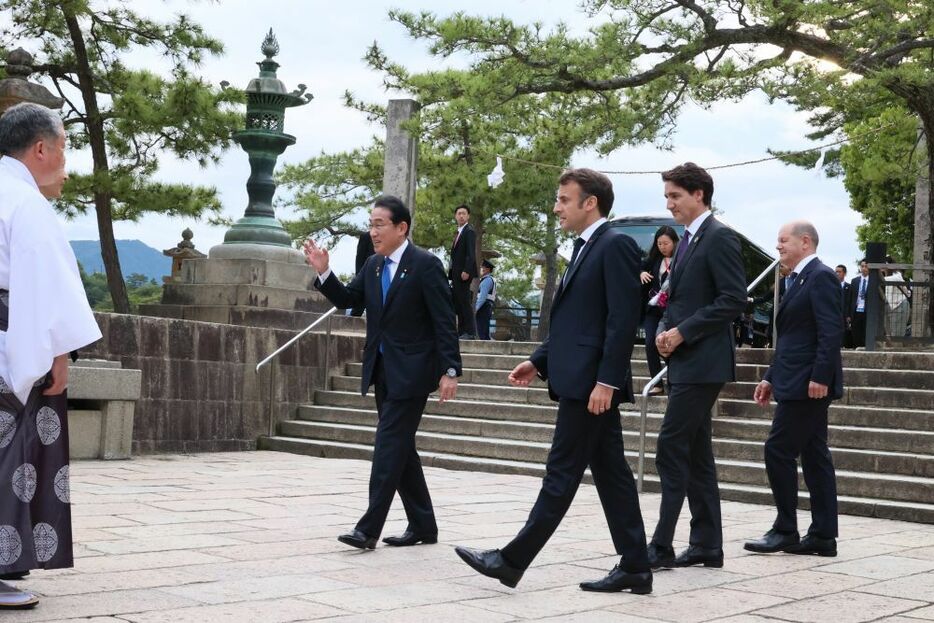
799, 428
685, 464
396, 466
859, 329
583, 439
460, 291
650, 325
484, 315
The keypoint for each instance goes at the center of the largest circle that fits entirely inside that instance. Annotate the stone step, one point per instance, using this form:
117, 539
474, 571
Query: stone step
878, 361
847, 415
869, 507
901, 488
846, 458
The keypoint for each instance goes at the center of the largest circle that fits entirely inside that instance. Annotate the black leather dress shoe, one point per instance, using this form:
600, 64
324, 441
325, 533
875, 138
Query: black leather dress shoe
19, 575
816, 545
619, 579
696, 555
660, 556
491, 564
15, 599
357, 539
771, 542
410, 538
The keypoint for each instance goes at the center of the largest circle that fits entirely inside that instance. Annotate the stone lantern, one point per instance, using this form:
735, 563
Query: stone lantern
264, 140
255, 277
16, 88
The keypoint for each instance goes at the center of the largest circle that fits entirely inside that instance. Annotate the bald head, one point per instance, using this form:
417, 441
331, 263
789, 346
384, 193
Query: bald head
796, 241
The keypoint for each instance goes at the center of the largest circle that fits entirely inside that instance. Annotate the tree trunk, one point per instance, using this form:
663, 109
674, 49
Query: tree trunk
922, 316
96, 139
551, 276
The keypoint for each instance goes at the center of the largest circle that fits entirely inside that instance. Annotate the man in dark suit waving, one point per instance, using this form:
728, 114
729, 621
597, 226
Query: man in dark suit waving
805, 376
462, 272
410, 345
707, 292
585, 360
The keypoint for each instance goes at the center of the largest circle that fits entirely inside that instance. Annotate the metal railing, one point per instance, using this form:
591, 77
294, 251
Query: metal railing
271, 359
643, 420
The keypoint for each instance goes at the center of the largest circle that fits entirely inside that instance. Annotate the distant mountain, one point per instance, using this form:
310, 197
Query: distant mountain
135, 257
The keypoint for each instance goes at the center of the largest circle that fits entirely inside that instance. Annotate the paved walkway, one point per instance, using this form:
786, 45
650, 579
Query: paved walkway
251, 537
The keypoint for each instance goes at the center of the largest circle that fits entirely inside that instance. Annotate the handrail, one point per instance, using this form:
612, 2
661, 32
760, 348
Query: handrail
644, 415
285, 346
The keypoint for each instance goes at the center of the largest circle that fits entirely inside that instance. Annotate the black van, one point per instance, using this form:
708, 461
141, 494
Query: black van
642, 229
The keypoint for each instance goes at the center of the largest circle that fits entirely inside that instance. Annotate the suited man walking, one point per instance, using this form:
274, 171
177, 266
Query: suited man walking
859, 288
846, 289
805, 376
410, 345
707, 292
586, 361
463, 271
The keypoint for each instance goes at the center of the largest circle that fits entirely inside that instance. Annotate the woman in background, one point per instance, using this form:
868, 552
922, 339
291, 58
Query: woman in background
654, 277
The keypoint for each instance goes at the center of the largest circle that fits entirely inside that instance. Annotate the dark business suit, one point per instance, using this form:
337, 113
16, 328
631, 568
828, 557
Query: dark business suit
364, 251
858, 324
593, 321
707, 292
846, 291
652, 314
414, 328
810, 334
463, 260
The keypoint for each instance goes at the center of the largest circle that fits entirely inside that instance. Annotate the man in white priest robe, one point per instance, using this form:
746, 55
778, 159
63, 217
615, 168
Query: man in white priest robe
44, 315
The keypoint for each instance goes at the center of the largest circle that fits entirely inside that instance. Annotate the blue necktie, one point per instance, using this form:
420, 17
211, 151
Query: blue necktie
790, 281
386, 278
682, 248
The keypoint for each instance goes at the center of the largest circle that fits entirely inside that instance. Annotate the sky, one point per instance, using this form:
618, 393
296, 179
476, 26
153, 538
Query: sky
322, 45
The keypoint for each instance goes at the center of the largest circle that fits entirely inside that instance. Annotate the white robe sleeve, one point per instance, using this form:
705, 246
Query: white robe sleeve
49, 311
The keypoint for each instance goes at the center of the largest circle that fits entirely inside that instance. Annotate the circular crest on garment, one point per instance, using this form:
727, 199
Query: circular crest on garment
7, 428
11, 545
50, 427
63, 485
4, 388
46, 540
24, 482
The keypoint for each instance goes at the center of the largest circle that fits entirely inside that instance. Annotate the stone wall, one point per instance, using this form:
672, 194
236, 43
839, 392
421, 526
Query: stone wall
199, 389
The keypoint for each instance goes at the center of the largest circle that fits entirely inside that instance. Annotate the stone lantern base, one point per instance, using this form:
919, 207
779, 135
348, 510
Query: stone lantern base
247, 284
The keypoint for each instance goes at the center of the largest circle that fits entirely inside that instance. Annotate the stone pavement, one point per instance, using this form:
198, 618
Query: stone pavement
251, 537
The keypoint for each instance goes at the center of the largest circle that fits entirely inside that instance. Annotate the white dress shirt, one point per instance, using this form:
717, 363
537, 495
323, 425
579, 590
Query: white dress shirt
395, 256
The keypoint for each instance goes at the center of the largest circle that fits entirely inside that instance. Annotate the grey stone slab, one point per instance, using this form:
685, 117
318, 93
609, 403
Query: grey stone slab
554, 602
97, 604
255, 589
919, 586
849, 606
800, 584
699, 605
271, 611
926, 614
161, 544
881, 567
379, 598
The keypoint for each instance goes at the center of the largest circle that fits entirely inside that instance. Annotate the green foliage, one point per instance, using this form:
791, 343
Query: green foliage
846, 62
141, 290
127, 116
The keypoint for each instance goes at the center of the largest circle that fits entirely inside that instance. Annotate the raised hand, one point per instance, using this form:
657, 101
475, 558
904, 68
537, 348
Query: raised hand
317, 257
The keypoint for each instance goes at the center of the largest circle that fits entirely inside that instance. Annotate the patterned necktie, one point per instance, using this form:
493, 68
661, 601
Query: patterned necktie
862, 287
385, 278
578, 245
790, 281
682, 248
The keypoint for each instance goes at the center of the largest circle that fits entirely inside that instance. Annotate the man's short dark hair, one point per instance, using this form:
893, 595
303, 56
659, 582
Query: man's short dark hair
464, 206
593, 184
398, 213
488, 264
842, 267
691, 177
21, 126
